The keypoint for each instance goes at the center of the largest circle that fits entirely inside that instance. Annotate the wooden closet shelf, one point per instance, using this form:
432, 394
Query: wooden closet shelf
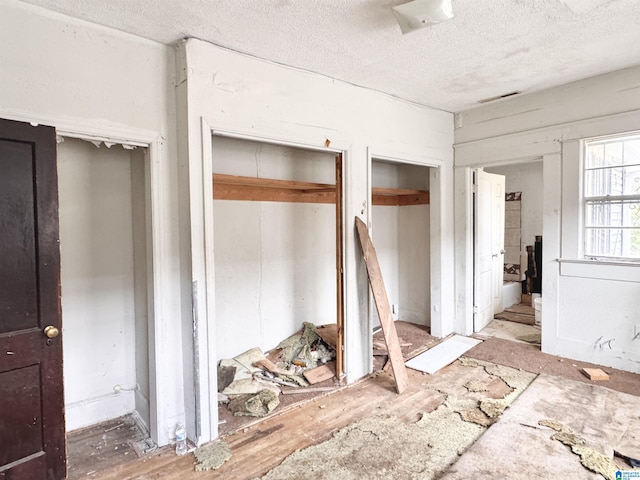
232, 187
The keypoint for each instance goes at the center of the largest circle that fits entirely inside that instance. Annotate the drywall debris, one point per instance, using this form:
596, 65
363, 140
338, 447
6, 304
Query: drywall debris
248, 358
212, 456
254, 405
226, 375
249, 386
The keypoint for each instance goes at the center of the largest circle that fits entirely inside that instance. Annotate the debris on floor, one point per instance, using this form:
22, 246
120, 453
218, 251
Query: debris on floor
589, 458
212, 456
382, 447
321, 373
252, 381
442, 354
595, 374
254, 405
587, 422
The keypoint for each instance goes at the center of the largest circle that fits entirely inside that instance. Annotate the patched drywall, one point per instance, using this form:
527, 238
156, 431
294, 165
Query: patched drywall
104, 301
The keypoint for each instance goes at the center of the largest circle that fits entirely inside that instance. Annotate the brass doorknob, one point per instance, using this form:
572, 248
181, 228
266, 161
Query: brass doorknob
51, 331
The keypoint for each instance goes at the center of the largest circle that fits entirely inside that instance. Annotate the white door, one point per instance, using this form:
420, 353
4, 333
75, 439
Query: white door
488, 247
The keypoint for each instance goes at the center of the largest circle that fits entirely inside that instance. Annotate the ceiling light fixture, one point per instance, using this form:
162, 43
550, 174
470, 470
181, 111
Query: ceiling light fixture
422, 13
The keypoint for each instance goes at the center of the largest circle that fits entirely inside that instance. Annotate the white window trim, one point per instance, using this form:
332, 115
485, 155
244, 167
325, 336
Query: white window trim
583, 257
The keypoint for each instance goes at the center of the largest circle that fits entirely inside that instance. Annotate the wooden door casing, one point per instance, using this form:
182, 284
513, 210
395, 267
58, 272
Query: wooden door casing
32, 431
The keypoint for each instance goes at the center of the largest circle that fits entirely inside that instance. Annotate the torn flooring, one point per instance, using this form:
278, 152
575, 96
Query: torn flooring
265, 444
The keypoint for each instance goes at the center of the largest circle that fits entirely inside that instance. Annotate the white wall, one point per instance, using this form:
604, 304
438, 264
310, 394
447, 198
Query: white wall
384, 232
97, 274
88, 80
274, 261
525, 178
401, 238
584, 302
234, 94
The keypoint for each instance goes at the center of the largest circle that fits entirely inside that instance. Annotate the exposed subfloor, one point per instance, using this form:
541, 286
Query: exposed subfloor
99, 446
370, 411
520, 313
516, 332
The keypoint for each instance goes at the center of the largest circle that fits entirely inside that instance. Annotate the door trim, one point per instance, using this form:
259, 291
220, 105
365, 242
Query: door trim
202, 245
158, 272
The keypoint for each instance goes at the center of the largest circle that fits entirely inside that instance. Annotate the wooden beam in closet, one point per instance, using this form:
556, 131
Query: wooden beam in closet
232, 187
398, 197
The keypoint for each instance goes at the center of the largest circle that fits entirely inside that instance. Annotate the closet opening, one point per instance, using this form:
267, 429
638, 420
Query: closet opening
400, 229
278, 254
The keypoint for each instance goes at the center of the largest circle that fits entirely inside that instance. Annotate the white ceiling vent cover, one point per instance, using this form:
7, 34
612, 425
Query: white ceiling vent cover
422, 13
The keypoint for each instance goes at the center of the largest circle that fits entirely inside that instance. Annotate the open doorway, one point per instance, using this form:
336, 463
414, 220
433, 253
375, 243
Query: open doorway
521, 280
105, 271
277, 215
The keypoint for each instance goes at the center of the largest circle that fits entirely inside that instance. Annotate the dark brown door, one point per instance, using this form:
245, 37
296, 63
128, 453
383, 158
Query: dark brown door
32, 433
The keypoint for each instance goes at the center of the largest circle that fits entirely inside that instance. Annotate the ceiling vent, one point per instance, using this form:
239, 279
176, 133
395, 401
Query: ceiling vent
422, 13
499, 97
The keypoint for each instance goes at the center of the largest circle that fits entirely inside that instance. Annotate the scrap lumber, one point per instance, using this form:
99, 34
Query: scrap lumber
297, 391
329, 334
595, 374
269, 366
321, 373
384, 308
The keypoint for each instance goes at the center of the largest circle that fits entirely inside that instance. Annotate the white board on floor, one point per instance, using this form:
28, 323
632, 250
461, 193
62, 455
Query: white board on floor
442, 354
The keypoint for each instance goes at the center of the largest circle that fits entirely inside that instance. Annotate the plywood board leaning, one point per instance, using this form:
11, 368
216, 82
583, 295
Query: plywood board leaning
384, 308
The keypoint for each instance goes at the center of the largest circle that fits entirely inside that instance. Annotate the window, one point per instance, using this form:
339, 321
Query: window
612, 198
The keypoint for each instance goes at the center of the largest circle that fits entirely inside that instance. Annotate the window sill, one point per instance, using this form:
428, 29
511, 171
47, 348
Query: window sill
598, 269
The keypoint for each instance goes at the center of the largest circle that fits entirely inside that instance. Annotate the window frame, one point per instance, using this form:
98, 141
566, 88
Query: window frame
602, 199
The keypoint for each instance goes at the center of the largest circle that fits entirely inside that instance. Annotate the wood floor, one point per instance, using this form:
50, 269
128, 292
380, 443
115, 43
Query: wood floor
99, 446
520, 313
263, 446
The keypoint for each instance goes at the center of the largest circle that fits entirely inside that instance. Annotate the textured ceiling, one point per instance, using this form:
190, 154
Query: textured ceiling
490, 48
